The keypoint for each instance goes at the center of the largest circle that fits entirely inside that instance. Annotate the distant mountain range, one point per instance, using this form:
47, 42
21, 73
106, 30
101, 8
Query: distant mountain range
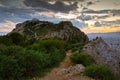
104, 35
112, 39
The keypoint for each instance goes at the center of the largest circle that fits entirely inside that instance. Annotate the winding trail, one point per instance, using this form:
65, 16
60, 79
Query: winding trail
55, 74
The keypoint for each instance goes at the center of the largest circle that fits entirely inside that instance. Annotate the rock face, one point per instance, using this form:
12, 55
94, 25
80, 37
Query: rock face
44, 29
73, 70
103, 54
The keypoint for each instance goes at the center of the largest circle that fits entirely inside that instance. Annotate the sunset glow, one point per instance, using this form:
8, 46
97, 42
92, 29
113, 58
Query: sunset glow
102, 29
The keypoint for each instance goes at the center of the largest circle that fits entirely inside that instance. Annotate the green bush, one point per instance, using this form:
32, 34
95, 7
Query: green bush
81, 58
6, 40
56, 57
48, 45
17, 62
99, 72
54, 48
9, 67
75, 46
17, 38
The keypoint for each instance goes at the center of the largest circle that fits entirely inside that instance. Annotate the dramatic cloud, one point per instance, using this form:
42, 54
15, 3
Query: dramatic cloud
84, 17
102, 29
114, 11
58, 6
79, 23
13, 3
82, 13
14, 14
7, 26
108, 23
50, 5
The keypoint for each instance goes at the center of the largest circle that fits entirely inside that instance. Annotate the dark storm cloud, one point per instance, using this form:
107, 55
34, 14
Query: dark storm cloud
14, 14
58, 6
18, 10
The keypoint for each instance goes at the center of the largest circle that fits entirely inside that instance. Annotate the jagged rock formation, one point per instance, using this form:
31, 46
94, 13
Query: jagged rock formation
103, 54
44, 29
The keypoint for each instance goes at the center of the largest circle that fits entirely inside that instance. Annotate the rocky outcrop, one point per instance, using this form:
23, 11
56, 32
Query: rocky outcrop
103, 54
73, 70
44, 29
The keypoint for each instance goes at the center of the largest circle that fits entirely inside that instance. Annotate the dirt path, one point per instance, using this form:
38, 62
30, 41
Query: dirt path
55, 74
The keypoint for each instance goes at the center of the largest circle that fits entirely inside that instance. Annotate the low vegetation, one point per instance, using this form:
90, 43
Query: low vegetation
92, 70
21, 58
17, 62
75, 46
81, 58
48, 45
99, 72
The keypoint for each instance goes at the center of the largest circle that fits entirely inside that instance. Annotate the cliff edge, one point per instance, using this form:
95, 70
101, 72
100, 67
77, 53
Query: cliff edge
103, 54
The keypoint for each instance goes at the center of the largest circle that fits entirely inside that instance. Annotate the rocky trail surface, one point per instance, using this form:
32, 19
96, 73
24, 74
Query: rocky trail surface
66, 71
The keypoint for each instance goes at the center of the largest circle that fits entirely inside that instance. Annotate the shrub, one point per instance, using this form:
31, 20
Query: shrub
48, 45
56, 57
17, 62
54, 48
5, 40
17, 38
81, 58
99, 71
9, 67
75, 46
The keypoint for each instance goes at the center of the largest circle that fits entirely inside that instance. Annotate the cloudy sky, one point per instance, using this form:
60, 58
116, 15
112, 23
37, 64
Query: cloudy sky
91, 16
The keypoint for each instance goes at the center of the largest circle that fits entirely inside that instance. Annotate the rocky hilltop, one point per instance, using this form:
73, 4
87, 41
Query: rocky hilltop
44, 29
104, 54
